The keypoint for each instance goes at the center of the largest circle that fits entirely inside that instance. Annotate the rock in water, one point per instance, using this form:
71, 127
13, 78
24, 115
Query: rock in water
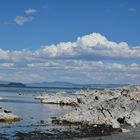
99, 107
8, 117
104, 107
58, 98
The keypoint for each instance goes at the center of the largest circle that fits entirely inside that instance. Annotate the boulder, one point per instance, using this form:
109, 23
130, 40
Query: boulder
106, 107
8, 117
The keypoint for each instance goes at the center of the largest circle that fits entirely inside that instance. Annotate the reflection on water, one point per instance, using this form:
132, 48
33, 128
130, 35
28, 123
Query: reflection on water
30, 110
18, 101
22, 103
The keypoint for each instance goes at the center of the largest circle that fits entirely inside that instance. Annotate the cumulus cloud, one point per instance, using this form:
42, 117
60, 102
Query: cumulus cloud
76, 61
89, 46
20, 20
30, 11
4, 54
93, 45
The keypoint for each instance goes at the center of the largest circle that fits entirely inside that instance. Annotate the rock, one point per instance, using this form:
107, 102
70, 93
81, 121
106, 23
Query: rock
109, 107
54, 118
135, 95
81, 92
46, 95
125, 130
8, 117
43, 96
7, 111
59, 98
61, 93
42, 121
67, 133
98, 107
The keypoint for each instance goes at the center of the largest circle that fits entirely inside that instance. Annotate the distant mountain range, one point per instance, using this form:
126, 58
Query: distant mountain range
54, 84
58, 84
72, 85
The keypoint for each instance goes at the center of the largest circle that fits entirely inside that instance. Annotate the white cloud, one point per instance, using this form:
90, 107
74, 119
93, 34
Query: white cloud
77, 70
90, 71
6, 65
45, 64
20, 20
83, 59
4, 54
30, 11
93, 45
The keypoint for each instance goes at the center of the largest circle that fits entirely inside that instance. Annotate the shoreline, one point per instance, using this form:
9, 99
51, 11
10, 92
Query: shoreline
85, 101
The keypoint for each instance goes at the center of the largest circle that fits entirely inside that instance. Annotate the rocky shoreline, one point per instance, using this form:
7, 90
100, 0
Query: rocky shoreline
7, 116
107, 107
93, 113
69, 134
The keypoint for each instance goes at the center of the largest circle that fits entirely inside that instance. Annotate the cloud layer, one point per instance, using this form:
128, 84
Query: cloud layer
91, 57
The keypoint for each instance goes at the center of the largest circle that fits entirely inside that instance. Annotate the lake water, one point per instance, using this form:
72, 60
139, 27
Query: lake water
22, 103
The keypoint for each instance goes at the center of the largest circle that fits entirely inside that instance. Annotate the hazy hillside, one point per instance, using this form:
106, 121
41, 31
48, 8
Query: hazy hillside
71, 85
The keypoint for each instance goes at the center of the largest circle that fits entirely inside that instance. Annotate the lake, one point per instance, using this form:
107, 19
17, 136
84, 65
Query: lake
36, 116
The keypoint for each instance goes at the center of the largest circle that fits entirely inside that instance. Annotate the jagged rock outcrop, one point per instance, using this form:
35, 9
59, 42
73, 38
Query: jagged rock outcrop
109, 107
111, 111
100, 107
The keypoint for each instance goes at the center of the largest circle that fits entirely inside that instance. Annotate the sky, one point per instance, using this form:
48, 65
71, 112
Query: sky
78, 41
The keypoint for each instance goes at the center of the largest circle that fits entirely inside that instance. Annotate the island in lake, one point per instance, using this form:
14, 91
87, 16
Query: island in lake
12, 84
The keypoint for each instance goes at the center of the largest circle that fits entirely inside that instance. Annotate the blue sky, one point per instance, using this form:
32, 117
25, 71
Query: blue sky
64, 20
28, 28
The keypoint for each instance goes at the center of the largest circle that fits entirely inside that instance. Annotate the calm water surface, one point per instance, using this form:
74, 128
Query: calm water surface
22, 103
